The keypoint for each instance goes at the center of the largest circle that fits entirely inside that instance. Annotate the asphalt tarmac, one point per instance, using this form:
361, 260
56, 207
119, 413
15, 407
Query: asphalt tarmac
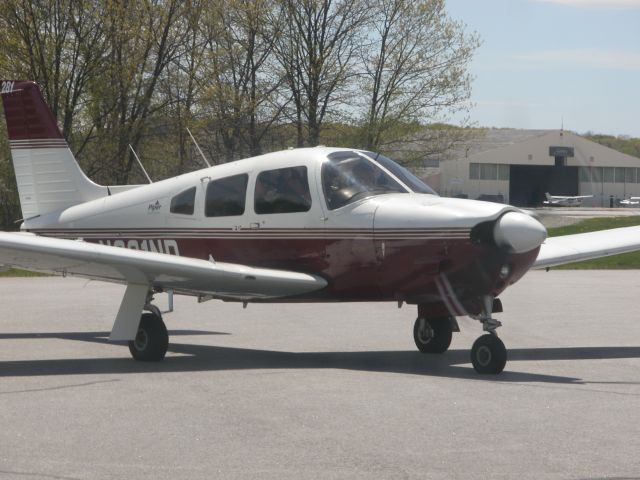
321, 391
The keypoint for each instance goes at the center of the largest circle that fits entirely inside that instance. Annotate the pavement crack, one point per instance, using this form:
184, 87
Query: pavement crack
59, 387
38, 475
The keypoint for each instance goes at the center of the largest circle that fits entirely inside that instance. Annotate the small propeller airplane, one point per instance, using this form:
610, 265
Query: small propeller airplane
630, 202
305, 225
560, 201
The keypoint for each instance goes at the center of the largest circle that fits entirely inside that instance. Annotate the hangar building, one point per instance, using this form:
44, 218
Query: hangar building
520, 166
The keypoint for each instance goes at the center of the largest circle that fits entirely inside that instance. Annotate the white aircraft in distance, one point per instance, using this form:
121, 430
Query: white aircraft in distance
560, 201
630, 202
307, 225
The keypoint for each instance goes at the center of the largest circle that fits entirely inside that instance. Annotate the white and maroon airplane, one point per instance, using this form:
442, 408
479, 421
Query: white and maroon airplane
305, 225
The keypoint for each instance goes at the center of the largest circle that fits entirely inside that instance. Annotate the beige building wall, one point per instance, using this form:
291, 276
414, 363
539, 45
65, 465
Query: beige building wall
597, 161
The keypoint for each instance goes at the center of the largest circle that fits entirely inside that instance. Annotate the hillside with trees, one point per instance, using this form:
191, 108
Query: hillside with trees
623, 144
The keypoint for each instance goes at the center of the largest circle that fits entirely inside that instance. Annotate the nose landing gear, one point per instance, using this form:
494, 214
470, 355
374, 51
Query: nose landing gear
488, 353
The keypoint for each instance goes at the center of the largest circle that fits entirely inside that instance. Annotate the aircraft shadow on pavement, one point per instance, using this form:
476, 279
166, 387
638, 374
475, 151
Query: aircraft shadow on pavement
193, 358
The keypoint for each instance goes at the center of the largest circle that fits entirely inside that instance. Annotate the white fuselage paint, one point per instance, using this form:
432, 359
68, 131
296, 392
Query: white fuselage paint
146, 208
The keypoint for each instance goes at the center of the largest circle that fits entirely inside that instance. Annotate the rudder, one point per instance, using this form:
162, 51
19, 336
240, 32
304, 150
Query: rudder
48, 177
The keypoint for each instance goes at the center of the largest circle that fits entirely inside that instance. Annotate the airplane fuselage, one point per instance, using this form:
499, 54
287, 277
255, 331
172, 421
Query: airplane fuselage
404, 246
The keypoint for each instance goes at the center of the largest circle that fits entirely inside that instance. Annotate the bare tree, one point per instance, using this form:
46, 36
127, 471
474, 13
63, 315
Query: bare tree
246, 76
241, 87
58, 43
181, 85
9, 203
317, 55
143, 39
414, 68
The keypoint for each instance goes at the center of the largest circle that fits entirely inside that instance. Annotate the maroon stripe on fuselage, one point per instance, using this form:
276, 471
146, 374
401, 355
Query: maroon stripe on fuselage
222, 233
358, 265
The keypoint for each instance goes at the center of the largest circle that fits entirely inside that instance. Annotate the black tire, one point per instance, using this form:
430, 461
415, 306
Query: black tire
152, 340
488, 354
432, 335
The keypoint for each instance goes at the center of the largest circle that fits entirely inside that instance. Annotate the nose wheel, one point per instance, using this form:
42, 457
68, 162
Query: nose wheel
488, 354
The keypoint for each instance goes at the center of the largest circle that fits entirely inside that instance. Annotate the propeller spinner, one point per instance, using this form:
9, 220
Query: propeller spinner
519, 232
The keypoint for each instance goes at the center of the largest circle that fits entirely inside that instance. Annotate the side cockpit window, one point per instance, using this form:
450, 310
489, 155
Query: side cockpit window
285, 190
184, 202
226, 197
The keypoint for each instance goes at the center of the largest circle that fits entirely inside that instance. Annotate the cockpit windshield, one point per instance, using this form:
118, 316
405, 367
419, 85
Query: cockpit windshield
349, 176
401, 173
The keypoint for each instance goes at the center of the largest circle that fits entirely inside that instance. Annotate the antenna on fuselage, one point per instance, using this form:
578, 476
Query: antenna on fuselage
198, 147
140, 163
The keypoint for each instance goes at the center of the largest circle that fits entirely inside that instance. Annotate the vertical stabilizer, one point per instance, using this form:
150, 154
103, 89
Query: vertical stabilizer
49, 178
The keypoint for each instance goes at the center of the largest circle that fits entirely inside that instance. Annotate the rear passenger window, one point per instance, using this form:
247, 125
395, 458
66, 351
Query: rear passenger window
226, 197
183, 202
285, 190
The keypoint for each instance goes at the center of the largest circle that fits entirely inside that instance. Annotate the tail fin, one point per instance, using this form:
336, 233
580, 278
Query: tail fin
49, 178
548, 195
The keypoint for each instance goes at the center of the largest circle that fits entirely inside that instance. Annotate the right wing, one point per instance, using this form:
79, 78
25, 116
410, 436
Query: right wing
122, 265
585, 246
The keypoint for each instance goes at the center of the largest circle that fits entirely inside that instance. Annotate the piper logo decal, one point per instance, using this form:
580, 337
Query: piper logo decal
154, 207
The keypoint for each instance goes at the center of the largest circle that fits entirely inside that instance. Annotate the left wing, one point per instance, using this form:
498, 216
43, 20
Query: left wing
585, 246
187, 275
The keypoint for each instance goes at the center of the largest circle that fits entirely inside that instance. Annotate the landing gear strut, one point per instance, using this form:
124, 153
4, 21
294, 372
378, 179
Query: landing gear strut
488, 353
432, 335
152, 339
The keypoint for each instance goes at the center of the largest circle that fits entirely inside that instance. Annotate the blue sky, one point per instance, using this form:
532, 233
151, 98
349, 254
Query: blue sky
545, 61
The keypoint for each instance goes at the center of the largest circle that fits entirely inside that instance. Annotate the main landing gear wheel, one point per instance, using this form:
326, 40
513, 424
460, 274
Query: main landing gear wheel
152, 339
488, 354
432, 335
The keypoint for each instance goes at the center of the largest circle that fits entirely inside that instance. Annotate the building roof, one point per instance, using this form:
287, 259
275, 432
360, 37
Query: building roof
514, 146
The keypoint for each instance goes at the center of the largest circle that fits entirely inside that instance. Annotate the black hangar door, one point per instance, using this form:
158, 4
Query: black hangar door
529, 183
